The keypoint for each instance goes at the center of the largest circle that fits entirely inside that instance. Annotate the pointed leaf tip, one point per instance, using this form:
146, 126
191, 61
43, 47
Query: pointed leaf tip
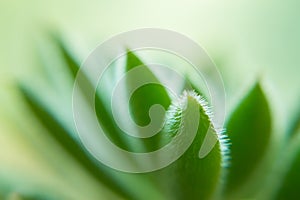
190, 177
249, 131
144, 98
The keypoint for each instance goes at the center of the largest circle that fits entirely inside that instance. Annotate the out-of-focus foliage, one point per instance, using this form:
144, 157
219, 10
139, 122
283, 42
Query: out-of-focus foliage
246, 39
189, 168
251, 121
249, 129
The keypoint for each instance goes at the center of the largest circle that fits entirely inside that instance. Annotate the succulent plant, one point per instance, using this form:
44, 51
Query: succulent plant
242, 165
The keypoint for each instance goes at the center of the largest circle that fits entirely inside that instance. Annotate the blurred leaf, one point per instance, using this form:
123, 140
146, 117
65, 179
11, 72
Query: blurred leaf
104, 115
290, 185
68, 57
112, 130
128, 186
16, 196
187, 178
145, 97
64, 137
191, 177
249, 130
295, 125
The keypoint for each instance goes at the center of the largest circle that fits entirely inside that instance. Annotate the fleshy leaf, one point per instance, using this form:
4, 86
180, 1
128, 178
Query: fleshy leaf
191, 177
249, 130
144, 98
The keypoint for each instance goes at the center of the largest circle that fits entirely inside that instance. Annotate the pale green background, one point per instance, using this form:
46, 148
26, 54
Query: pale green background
248, 40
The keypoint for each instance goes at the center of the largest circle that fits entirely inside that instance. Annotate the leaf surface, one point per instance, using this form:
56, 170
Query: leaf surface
192, 177
249, 131
145, 98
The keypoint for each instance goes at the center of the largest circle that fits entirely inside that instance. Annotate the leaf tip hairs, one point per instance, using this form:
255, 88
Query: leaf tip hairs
222, 137
174, 115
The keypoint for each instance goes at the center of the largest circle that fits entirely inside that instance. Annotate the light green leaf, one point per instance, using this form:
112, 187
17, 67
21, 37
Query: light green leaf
103, 114
187, 178
68, 57
105, 118
249, 130
69, 143
191, 177
16, 196
126, 185
144, 98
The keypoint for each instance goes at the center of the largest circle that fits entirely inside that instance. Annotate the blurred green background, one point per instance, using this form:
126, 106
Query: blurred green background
248, 40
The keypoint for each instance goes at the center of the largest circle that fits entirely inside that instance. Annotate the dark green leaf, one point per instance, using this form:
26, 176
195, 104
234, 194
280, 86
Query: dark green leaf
290, 184
145, 97
295, 125
249, 130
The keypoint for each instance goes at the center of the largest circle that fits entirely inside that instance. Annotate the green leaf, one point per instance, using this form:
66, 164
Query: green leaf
295, 126
104, 116
16, 196
69, 143
290, 183
192, 177
147, 95
129, 186
249, 130
189, 177
68, 57
144, 98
